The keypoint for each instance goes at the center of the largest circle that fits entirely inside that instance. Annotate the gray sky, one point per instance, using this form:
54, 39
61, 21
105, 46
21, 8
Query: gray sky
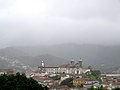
36, 22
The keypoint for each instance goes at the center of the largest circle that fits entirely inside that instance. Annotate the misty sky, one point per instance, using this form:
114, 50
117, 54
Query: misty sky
39, 22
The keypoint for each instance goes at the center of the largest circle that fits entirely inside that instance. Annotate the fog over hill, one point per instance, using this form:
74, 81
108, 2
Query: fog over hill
93, 24
98, 56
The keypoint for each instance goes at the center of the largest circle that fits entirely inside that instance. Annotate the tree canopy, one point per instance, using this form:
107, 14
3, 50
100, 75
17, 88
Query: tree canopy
19, 82
96, 72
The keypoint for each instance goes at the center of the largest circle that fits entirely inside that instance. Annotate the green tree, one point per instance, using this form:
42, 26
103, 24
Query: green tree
95, 75
96, 72
19, 82
91, 88
116, 89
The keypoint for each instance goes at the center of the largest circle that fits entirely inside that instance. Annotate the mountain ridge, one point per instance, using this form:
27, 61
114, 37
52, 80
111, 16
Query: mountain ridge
96, 55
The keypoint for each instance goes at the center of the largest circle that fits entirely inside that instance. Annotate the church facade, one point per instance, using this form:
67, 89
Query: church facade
70, 68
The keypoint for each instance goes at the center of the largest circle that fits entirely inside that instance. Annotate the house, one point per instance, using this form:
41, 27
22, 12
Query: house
6, 71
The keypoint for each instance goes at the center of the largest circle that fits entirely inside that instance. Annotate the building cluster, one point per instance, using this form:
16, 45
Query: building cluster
6, 71
70, 68
70, 76
110, 80
54, 76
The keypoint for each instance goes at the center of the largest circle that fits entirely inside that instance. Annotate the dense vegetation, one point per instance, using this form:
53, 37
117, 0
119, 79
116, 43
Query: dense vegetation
19, 82
95, 75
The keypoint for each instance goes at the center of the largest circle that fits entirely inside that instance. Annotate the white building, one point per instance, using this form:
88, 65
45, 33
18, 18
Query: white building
72, 68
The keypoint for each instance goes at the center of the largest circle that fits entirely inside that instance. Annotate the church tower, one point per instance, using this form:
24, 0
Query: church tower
80, 63
42, 64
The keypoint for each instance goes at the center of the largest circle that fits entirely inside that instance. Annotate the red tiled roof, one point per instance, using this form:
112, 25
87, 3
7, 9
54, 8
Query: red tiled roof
83, 79
115, 83
84, 69
28, 73
65, 66
50, 67
41, 78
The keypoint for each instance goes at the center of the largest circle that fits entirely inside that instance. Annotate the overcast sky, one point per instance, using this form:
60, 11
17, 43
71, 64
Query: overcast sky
39, 22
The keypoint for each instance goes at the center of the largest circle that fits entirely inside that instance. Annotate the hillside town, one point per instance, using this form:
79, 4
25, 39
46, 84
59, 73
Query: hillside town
70, 76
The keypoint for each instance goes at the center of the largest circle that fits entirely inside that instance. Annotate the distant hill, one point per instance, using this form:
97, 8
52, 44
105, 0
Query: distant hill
11, 52
98, 56
3, 64
49, 60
